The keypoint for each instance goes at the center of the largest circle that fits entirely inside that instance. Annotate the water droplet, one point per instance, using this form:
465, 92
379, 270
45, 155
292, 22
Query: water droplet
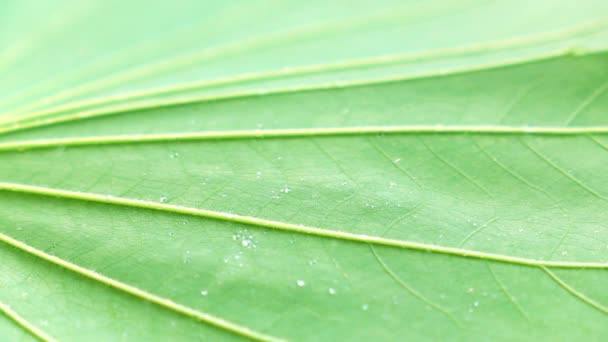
301, 283
470, 290
258, 175
285, 189
331, 291
245, 243
163, 199
364, 307
476, 303
397, 160
174, 155
204, 292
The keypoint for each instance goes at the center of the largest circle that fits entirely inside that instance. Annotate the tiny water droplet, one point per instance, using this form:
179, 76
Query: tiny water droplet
364, 307
163, 199
301, 283
174, 155
476, 303
397, 160
331, 291
245, 243
285, 189
204, 292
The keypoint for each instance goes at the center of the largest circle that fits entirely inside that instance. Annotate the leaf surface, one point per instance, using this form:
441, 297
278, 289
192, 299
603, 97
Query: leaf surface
304, 171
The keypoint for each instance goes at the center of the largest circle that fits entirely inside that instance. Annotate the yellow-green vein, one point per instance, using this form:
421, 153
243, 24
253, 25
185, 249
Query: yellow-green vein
290, 227
134, 291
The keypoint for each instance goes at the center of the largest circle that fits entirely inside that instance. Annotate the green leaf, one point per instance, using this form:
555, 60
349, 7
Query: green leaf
303, 171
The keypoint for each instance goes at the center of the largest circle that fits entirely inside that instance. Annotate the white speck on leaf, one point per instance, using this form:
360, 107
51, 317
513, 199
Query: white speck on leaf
301, 283
331, 291
204, 292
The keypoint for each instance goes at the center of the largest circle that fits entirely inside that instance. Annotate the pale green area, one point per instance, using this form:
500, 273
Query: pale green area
525, 195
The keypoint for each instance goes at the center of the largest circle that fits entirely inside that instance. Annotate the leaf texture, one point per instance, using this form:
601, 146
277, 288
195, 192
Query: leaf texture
303, 171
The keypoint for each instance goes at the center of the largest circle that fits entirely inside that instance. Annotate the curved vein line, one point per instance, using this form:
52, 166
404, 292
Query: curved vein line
519, 42
300, 132
587, 102
392, 162
141, 294
24, 324
564, 173
507, 294
532, 186
575, 292
413, 292
18, 123
289, 227
475, 231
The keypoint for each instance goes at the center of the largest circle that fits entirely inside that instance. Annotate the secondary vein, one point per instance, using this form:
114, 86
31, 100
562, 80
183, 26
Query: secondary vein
520, 42
301, 132
290, 227
134, 291
79, 112
23, 323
